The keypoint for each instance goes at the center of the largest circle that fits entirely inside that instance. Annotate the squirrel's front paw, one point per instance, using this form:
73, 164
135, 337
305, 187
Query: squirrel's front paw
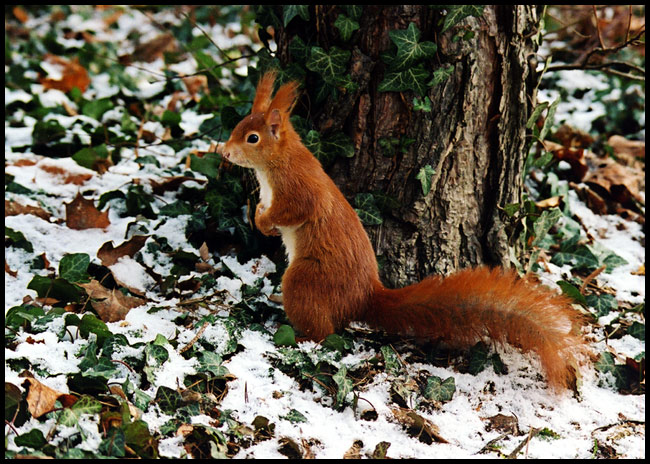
263, 223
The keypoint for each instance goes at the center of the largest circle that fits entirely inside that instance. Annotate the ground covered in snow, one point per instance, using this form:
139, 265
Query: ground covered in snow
140, 309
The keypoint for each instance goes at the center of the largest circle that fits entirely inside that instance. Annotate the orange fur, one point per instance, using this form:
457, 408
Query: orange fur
332, 278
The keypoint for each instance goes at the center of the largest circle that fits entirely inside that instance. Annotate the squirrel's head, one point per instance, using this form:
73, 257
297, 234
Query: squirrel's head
259, 138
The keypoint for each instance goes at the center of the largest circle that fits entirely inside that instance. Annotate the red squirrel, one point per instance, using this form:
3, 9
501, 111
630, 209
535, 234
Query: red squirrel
333, 278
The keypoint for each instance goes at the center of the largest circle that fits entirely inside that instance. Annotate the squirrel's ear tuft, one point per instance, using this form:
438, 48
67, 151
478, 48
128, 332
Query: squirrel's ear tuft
285, 98
263, 93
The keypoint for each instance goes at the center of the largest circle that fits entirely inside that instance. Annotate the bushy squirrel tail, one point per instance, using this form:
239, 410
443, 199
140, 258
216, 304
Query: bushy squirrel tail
477, 303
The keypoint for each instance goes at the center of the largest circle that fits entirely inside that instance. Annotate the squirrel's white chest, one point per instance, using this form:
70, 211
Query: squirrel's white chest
266, 198
266, 194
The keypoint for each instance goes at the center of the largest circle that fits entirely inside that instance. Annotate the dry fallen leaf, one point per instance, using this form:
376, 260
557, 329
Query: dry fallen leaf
64, 176
72, 75
152, 50
551, 202
575, 158
20, 14
196, 84
354, 452
418, 425
623, 183
82, 214
171, 183
108, 254
570, 137
627, 150
111, 305
41, 399
13, 208
502, 423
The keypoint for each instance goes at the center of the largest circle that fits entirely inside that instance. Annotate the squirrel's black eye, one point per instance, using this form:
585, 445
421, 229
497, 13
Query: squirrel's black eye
253, 138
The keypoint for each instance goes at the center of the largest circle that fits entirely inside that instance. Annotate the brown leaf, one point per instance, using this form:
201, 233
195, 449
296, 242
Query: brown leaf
152, 50
640, 271
64, 176
594, 201
552, 202
111, 305
13, 208
575, 158
354, 452
503, 423
73, 75
570, 137
171, 183
623, 183
81, 214
627, 150
9, 271
196, 84
20, 14
41, 399
204, 252
418, 426
109, 254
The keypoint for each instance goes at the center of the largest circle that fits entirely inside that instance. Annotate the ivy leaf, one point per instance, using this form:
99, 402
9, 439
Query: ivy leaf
478, 358
32, 439
103, 368
73, 267
156, 355
113, 444
91, 324
422, 105
536, 114
439, 390
391, 360
550, 118
291, 11
354, 11
344, 385
208, 164
211, 362
606, 364
332, 65
85, 405
168, 399
138, 437
425, 176
441, 75
91, 157
571, 291
543, 224
603, 304
367, 209
298, 49
456, 13
17, 239
339, 144
409, 48
346, 26
96, 108
637, 330
294, 416
59, 289
285, 336
410, 79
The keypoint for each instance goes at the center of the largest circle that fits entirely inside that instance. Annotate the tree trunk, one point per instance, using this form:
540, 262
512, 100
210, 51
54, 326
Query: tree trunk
473, 137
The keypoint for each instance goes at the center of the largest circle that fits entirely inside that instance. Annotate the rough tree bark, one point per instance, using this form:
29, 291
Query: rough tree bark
474, 136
